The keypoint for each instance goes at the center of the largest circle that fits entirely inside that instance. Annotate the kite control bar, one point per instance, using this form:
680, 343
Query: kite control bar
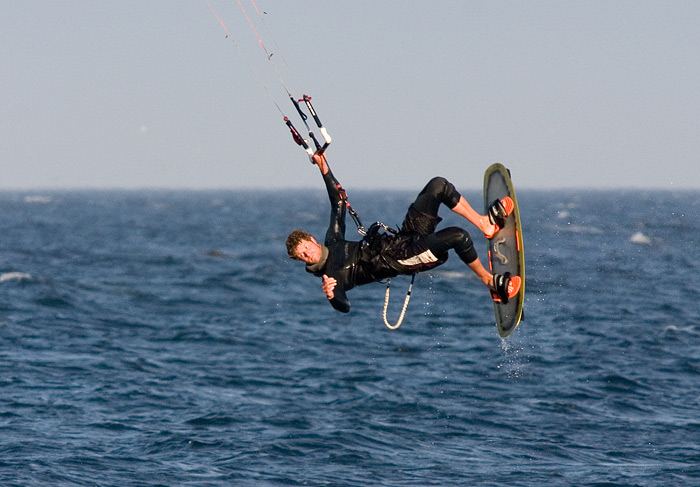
326, 137
320, 149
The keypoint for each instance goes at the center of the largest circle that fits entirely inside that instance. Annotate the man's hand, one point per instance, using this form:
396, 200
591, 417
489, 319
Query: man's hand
320, 160
328, 285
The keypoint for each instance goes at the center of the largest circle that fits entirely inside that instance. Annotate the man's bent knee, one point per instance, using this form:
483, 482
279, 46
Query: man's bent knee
444, 191
460, 240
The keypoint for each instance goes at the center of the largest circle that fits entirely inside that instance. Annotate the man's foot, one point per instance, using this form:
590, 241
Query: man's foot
504, 287
497, 214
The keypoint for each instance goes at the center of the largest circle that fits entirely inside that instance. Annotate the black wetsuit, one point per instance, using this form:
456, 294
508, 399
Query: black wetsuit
415, 248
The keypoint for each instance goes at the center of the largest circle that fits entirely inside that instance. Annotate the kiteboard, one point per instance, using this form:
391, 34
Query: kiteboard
505, 249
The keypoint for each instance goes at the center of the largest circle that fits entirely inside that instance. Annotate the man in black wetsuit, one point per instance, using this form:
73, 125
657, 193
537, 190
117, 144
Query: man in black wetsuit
417, 247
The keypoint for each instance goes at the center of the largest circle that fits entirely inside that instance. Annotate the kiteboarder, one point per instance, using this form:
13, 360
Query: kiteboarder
384, 252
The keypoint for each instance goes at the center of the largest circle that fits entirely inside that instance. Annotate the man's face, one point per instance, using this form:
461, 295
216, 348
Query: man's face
308, 251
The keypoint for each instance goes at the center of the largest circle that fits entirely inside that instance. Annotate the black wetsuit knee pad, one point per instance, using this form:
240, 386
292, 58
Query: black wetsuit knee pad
443, 190
454, 238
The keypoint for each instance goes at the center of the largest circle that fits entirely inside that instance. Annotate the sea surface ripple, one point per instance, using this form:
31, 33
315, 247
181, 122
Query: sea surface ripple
164, 338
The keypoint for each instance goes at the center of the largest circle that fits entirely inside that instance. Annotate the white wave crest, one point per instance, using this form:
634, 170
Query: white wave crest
582, 229
38, 199
14, 276
640, 239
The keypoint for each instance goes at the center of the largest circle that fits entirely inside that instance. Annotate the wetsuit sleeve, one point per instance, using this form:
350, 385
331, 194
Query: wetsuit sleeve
336, 233
340, 300
336, 227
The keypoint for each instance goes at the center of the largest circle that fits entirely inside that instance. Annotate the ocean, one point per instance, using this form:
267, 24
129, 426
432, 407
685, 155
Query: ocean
165, 338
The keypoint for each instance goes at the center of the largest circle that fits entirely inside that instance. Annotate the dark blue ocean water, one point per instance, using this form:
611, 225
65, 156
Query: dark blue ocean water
164, 338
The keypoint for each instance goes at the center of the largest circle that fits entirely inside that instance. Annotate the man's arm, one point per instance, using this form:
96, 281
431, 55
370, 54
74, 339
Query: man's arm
335, 294
336, 231
336, 226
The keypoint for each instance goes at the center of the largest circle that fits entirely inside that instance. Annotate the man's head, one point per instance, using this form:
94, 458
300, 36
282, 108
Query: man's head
303, 246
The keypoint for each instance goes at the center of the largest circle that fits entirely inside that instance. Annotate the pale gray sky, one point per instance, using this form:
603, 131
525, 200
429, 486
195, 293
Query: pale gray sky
136, 93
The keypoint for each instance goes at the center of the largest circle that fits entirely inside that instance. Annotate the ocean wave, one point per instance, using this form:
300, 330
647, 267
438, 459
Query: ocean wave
199, 354
640, 239
15, 276
688, 329
614, 382
581, 229
38, 199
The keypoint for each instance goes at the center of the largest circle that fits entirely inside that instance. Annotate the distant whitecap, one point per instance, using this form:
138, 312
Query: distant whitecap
38, 199
14, 276
690, 329
640, 239
582, 229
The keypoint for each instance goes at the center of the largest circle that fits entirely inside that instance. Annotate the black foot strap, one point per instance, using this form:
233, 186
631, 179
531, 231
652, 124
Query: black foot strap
500, 285
497, 213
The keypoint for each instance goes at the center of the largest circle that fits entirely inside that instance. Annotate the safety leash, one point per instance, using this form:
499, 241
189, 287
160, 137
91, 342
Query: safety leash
406, 300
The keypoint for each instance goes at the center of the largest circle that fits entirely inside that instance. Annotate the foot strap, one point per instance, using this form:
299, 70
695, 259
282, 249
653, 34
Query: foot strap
499, 211
505, 286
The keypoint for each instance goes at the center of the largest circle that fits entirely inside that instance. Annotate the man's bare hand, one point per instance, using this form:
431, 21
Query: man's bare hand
328, 285
320, 160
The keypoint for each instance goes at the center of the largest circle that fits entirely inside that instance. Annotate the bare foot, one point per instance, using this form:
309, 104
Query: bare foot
487, 228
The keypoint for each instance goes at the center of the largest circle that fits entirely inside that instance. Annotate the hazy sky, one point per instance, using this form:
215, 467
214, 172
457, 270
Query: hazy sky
151, 93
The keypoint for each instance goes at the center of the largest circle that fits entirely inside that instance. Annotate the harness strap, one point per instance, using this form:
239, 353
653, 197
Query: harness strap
353, 214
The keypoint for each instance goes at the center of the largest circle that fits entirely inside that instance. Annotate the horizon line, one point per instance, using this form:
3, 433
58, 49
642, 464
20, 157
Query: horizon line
320, 188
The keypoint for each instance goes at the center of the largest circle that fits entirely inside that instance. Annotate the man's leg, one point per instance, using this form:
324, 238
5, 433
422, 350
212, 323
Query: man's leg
464, 209
484, 275
440, 190
458, 239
